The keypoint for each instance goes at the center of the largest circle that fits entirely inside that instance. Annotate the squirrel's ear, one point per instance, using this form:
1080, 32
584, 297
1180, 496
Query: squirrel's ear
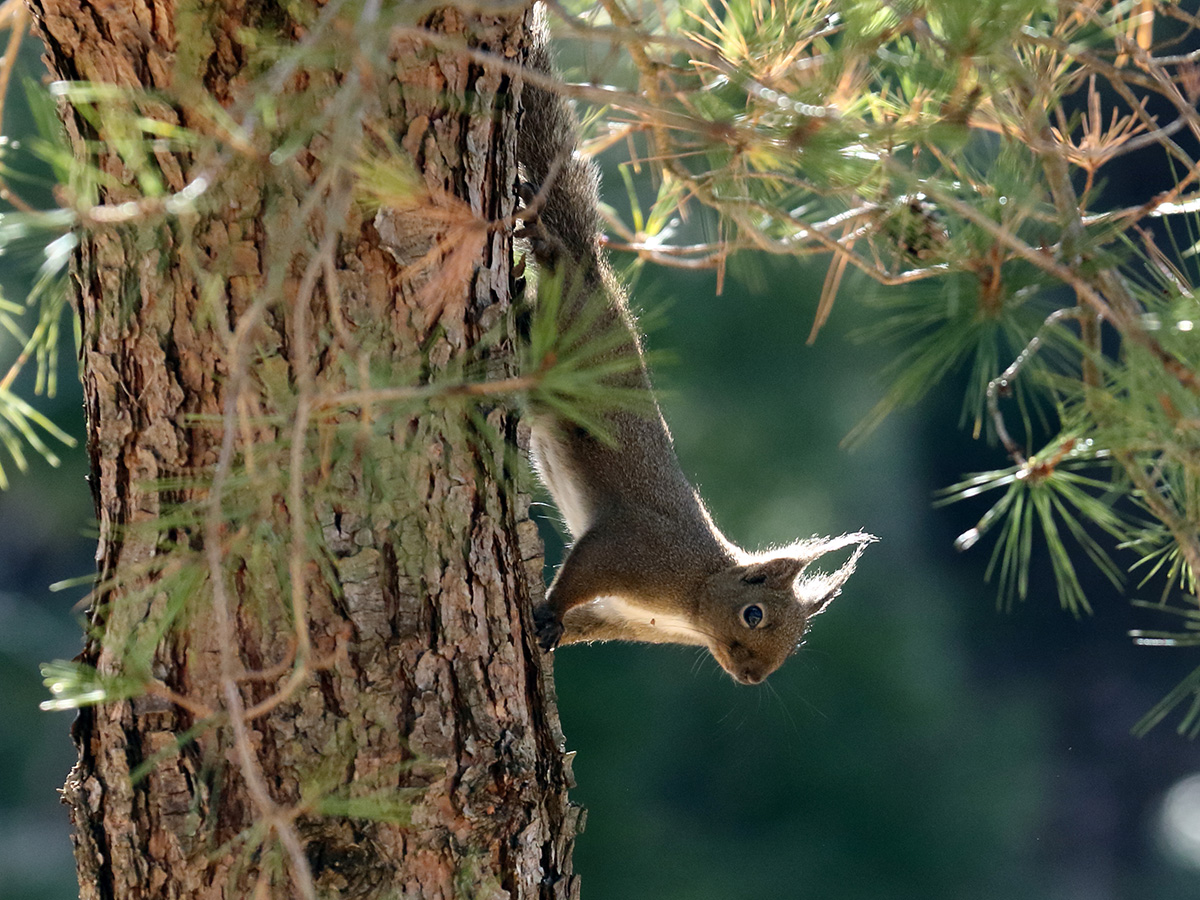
778, 572
815, 590
814, 602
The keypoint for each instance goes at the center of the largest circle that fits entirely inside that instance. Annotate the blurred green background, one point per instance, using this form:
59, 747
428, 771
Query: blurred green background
921, 745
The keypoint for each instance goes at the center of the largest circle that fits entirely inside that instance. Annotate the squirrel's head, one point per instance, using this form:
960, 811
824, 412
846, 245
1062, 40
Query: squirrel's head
755, 613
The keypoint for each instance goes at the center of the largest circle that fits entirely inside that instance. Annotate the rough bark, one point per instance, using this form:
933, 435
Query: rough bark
421, 696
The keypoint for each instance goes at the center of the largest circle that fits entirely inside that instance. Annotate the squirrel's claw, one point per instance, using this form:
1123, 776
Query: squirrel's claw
529, 226
547, 626
546, 249
530, 230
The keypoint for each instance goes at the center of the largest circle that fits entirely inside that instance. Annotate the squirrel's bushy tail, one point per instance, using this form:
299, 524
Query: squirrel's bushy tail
565, 185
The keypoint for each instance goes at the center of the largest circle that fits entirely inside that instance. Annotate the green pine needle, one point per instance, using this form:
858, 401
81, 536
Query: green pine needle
1039, 502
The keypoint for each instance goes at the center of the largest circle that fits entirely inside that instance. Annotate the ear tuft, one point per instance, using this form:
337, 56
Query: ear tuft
815, 591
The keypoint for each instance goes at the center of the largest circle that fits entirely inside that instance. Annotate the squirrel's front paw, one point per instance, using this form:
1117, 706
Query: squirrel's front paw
546, 249
548, 626
528, 226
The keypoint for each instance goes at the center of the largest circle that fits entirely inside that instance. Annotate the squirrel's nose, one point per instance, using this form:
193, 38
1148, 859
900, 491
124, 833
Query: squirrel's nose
750, 676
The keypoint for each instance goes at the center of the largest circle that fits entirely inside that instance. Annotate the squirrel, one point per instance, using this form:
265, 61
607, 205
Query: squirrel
647, 563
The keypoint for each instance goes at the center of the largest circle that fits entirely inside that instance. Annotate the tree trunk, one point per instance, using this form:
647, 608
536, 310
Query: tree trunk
314, 570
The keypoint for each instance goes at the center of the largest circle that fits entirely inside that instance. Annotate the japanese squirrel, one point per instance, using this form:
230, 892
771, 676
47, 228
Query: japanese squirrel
647, 562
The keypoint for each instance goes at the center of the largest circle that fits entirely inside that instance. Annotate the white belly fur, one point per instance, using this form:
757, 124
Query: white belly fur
567, 493
653, 626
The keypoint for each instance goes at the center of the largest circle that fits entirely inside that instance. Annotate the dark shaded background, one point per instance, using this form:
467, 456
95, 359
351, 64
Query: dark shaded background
921, 745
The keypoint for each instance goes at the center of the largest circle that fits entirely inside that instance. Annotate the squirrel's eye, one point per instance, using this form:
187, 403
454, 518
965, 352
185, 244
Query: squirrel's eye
752, 615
